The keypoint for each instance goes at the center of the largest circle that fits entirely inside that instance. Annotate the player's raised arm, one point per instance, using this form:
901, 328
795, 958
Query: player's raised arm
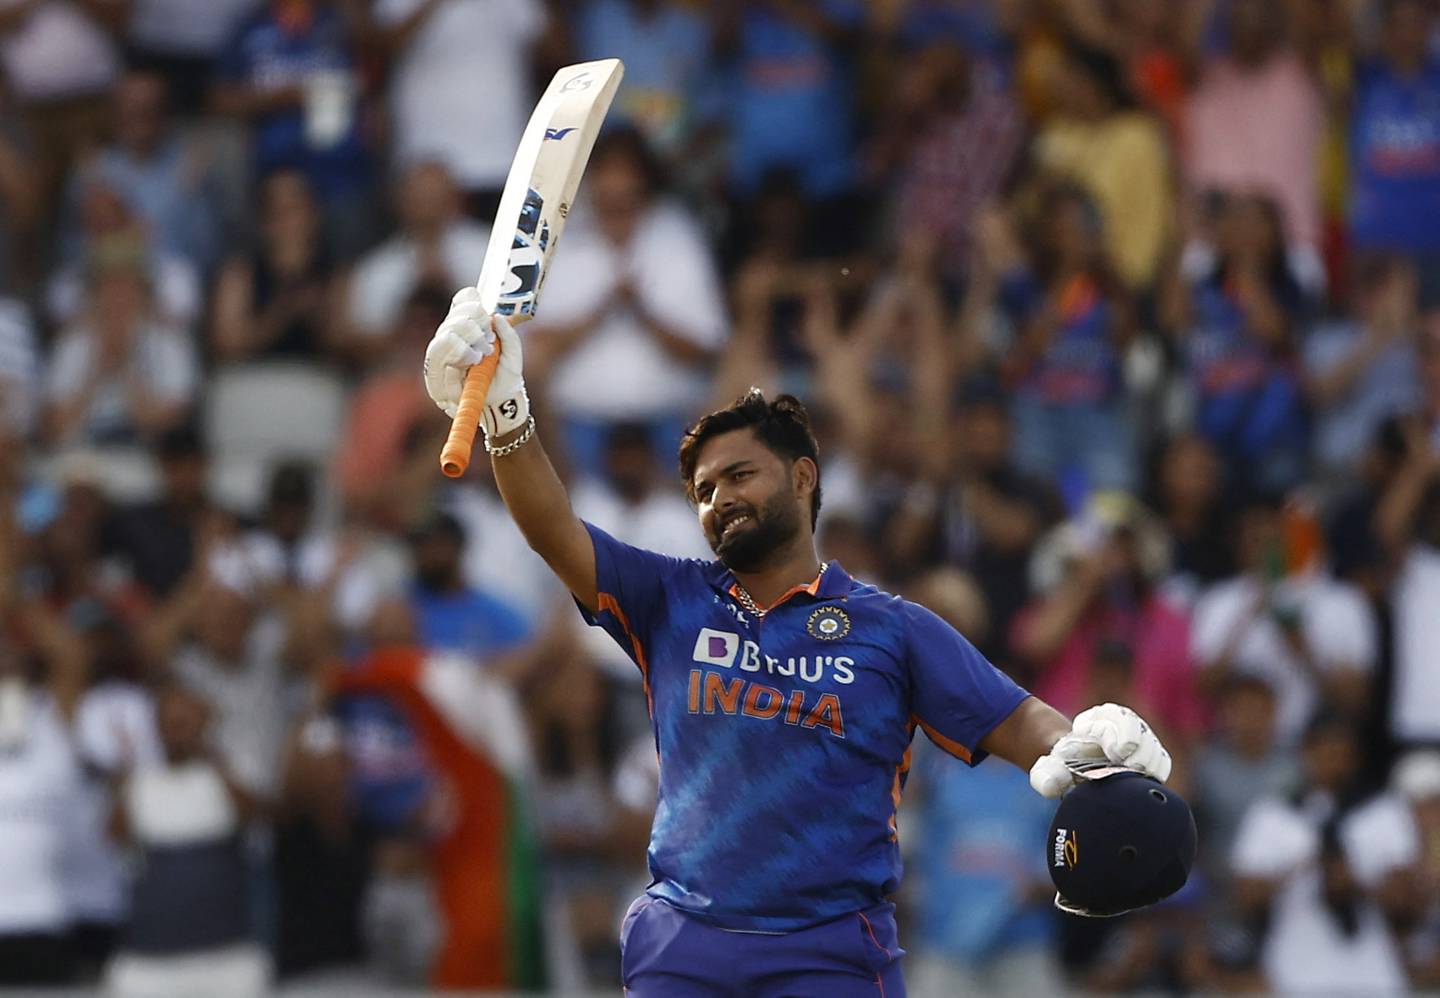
532, 491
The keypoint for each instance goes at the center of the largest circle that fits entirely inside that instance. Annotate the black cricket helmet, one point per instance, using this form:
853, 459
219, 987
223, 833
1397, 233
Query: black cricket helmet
1119, 841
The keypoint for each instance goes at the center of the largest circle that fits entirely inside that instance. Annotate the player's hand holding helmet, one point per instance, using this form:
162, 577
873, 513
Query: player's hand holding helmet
464, 338
1107, 734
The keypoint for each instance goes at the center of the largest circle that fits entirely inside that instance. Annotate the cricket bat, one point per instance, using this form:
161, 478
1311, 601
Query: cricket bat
534, 205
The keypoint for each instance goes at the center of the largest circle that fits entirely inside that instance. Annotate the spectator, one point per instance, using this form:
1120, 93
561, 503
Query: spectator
1407, 522
1191, 499
984, 915
1073, 323
630, 502
1359, 373
1237, 326
386, 409
1117, 155
484, 857
1391, 839
1294, 870
666, 46
284, 298
37, 775
185, 816
947, 149
163, 177
985, 516
451, 616
289, 72
105, 218
59, 58
119, 375
1243, 765
1395, 141
1255, 121
214, 635
113, 731
633, 308
1098, 575
321, 857
791, 107
435, 247
1283, 619
444, 53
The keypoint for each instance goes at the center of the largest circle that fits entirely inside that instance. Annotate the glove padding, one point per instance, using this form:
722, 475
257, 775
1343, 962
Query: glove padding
1108, 733
464, 338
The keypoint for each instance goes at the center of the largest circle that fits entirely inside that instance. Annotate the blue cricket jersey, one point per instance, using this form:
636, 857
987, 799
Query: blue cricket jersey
785, 742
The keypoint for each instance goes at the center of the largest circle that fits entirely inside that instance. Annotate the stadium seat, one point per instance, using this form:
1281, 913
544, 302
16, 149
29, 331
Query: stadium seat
256, 415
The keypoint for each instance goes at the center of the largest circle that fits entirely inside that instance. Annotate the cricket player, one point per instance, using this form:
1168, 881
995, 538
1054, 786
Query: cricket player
783, 694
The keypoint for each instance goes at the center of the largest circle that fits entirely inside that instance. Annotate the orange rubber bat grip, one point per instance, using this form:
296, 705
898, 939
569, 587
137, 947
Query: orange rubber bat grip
455, 455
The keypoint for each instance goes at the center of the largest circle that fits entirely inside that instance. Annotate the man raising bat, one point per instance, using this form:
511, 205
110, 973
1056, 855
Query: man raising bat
783, 694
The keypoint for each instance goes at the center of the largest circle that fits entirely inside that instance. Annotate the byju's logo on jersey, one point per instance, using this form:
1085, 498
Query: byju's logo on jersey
716, 647
828, 623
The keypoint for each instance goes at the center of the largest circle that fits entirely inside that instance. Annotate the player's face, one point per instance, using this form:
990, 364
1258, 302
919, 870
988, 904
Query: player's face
747, 500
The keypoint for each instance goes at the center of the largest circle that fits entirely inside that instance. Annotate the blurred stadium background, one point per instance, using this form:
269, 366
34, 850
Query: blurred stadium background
1121, 324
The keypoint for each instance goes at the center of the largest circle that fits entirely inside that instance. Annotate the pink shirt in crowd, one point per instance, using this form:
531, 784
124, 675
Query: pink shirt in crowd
1163, 677
1259, 130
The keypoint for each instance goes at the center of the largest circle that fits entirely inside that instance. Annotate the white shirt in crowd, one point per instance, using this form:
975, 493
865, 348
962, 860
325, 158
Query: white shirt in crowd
662, 522
58, 52
386, 276
1415, 693
184, 27
249, 703
38, 777
619, 371
1306, 951
178, 294
114, 730
19, 369
1337, 624
163, 360
460, 92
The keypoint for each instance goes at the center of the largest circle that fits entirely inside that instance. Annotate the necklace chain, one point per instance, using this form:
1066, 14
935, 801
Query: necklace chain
748, 602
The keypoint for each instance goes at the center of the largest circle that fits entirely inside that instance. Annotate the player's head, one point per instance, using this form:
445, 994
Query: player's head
752, 472
1119, 841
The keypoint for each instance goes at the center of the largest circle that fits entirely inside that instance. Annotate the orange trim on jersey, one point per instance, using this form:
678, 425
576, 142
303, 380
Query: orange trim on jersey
901, 768
812, 588
948, 744
871, 929
604, 601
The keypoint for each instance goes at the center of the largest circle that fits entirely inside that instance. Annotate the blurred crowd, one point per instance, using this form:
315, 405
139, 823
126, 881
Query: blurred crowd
1120, 325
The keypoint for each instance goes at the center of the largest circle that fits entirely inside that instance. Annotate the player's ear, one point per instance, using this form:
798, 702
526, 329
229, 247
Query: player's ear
805, 474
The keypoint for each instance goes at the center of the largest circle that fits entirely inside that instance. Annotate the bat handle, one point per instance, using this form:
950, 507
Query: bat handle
455, 455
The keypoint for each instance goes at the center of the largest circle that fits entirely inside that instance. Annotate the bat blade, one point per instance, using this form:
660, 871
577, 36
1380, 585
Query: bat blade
534, 206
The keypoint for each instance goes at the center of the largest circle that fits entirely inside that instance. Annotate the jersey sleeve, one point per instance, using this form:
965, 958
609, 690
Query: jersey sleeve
630, 586
957, 696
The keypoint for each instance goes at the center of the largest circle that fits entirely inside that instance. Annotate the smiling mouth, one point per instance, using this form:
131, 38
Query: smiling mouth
730, 525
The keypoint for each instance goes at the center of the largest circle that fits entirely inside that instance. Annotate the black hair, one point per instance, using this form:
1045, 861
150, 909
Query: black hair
627, 142
783, 426
1106, 71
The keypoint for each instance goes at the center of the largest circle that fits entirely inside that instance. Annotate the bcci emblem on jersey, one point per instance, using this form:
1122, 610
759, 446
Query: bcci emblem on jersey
828, 623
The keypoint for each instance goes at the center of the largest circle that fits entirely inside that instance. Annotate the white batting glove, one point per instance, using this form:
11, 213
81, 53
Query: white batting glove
465, 337
1108, 733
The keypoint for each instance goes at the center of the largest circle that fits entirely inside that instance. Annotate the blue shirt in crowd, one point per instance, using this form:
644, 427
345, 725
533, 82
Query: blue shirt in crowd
791, 104
1395, 159
264, 53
